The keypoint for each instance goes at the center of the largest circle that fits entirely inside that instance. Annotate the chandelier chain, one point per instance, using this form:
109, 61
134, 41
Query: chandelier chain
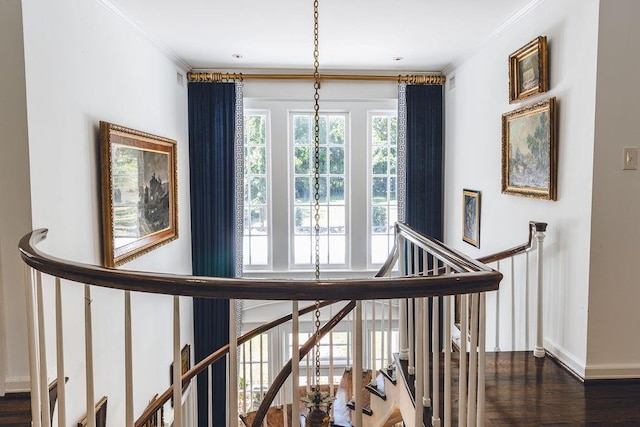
316, 179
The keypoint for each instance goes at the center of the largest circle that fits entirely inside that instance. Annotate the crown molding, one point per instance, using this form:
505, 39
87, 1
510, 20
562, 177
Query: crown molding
510, 22
126, 19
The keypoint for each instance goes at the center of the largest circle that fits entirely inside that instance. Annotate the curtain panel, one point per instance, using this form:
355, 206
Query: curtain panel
213, 129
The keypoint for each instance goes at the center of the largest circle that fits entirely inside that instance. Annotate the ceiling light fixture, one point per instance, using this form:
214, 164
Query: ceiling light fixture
237, 56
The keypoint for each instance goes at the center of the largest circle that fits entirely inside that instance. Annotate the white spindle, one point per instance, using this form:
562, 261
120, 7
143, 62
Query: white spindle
128, 361
177, 365
285, 414
426, 398
382, 337
295, 365
331, 373
462, 379
447, 360
209, 396
513, 307
435, 326
402, 327
233, 363
473, 361
526, 300
357, 364
497, 346
539, 350
373, 342
88, 353
244, 377
389, 328
62, 387
261, 371
411, 335
420, 363
33, 352
251, 374
482, 330
44, 387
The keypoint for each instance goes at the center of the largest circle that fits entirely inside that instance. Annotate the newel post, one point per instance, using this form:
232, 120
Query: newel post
541, 227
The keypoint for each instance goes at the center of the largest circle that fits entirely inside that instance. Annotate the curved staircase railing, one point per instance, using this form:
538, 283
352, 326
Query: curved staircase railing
426, 268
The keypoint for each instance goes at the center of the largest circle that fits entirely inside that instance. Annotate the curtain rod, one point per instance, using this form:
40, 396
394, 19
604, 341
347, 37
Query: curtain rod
409, 79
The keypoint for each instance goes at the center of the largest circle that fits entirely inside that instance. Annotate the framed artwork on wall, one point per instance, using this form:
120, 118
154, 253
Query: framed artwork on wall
139, 192
471, 217
528, 70
530, 151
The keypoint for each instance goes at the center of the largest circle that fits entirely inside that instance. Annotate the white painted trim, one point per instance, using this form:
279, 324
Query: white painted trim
612, 371
17, 384
566, 358
511, 21
126, 19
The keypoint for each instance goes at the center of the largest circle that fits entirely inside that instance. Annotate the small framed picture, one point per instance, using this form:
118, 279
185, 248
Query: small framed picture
529, 151
139, 192
471, 217
528, 73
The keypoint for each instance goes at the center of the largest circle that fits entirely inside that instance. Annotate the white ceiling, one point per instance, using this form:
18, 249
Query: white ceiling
430, 35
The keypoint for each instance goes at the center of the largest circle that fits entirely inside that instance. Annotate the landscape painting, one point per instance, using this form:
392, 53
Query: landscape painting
529, 151
528, 70
138, 192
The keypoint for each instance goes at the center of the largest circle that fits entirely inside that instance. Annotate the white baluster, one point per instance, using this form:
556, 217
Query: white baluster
402, 327
513, 307
462, 379
233, 364
435, 326
357, 364
128, 361
33, 352
295, 366
389, 330
44, 387
539, 350
244, 377
373, 343
411, 335
482, 332
447, 360
261, 373
285, 415
497, 346
420, 363
426, 374
209, 396
473, 361
526, 301
177, 365
88, 353
62, 387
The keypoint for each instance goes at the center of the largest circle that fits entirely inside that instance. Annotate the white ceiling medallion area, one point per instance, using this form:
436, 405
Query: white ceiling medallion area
430, 35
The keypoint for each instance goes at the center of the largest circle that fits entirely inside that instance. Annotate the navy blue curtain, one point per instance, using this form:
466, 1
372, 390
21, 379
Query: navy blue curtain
212, 172
425, 160
425, 170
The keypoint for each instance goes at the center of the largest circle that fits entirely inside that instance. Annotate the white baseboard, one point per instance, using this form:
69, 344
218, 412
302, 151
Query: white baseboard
570, 361
17, 384
616, 371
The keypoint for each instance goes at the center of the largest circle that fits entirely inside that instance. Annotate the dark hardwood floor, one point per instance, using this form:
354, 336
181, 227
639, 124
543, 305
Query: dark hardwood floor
524, 391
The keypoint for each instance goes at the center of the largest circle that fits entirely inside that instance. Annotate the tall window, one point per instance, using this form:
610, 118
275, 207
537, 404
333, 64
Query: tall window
332, 195
256, 239
384, 183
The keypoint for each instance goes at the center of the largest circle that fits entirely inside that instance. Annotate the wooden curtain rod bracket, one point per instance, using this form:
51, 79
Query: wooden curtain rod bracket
425, 79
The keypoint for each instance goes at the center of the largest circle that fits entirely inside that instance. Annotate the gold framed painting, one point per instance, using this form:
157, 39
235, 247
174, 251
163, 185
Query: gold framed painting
528, 70
139, 192
530, 151
471, 217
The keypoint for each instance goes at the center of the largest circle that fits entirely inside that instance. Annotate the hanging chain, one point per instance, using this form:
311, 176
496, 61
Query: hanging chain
316, 177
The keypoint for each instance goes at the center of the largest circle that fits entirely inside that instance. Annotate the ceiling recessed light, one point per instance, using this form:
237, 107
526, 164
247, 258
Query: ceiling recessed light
237, 56
398, 58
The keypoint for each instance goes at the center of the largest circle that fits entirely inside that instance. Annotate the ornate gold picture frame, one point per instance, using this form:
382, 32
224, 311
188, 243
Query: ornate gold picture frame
471, 217
139, 192
530, 151
528, 70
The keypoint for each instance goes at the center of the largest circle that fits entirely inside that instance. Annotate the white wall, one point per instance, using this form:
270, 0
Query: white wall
613, 348
473, 160
15, 208
85, 64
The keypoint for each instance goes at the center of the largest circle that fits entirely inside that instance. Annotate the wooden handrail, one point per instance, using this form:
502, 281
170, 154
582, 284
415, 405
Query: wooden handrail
472, 278
534, 227
214, 357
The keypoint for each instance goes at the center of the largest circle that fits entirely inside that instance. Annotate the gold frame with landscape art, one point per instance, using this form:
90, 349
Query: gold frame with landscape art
139, 192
